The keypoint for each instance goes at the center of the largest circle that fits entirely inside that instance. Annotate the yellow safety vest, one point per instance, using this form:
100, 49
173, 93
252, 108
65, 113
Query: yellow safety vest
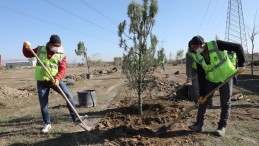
232, 57
194, 65
51, 64
220, 67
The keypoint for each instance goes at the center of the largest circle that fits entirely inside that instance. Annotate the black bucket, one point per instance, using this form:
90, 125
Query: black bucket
89, 75
87, 98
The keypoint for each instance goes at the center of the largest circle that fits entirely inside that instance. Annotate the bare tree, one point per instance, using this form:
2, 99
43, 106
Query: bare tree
139, 59
252, 35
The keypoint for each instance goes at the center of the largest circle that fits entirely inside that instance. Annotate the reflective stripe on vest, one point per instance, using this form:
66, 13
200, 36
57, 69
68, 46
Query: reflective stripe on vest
232, 57
51, 64
220, 67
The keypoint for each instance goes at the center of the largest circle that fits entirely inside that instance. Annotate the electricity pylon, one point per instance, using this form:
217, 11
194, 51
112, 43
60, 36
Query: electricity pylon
235, 27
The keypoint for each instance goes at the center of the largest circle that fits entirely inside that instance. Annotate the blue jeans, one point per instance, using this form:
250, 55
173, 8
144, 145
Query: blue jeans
225, 103
43, 93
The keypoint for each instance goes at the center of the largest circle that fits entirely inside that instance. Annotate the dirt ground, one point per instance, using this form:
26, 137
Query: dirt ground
115, 116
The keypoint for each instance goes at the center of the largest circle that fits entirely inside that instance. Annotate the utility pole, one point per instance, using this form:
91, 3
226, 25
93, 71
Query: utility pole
162, 43
163, 48
235, 27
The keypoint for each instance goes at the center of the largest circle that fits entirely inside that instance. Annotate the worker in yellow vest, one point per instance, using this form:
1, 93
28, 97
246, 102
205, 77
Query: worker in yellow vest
53, 57
162, 64
212, 57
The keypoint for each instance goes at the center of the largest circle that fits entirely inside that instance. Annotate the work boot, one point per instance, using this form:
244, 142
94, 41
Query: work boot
46, 128
196, 127
77, 121
221, 131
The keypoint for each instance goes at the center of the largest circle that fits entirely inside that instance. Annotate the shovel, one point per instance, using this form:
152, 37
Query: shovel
174, 92
164, 128
83, 123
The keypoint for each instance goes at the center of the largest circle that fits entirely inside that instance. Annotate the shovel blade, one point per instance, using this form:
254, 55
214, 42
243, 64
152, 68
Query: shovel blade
161, 130
86, 125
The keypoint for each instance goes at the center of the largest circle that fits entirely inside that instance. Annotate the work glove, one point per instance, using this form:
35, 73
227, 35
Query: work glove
26, 45
241, 70
202, 100
55, 82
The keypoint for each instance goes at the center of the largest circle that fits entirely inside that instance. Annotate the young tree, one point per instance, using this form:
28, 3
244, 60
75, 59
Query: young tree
253, 33
139, 57
82, 51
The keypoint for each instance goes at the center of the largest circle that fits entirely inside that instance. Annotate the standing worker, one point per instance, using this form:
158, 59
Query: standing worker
53, 57
162, 65
212, 56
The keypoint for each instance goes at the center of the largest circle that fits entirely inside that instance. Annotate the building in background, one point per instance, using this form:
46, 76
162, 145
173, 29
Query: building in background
11, 63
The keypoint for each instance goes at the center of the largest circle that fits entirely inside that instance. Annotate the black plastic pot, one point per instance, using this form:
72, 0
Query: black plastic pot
87, 98
89, 75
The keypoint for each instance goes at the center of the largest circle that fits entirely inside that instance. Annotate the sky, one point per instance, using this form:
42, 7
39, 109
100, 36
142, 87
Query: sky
95, 22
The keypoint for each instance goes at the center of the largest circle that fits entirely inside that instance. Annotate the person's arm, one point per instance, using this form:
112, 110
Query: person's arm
27, 53
237, 48
188, 66
61, 69
202, 80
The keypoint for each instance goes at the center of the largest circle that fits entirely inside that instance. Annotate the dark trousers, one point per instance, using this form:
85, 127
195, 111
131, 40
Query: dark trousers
225, 103
43, 93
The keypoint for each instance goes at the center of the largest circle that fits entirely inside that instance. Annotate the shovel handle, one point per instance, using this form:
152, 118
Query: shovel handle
192, 107
61, 91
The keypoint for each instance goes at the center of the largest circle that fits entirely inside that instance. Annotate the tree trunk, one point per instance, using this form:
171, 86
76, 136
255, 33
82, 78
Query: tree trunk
140, 83
252, 62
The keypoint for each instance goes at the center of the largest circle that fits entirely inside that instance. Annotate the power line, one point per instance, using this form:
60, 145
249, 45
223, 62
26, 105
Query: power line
55, 24
204, 16
82, 18
99, 12
211, 18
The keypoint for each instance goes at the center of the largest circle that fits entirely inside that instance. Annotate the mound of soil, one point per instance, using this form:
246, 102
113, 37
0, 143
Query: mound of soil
124, 126
7, 92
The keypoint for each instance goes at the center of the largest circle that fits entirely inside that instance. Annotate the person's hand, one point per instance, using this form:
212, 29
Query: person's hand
241, 70
26, 45
202, 100
55, 82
